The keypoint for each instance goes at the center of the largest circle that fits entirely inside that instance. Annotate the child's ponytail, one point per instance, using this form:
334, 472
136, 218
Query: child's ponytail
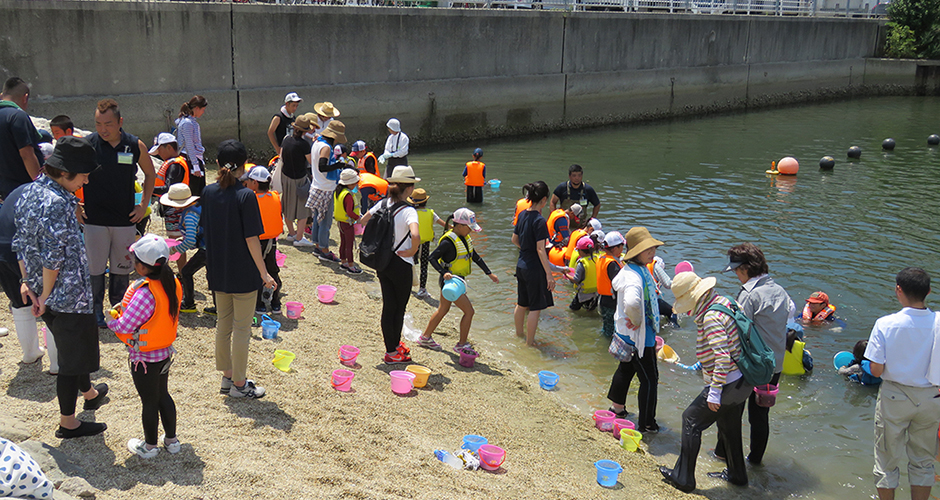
449, 223
161, 272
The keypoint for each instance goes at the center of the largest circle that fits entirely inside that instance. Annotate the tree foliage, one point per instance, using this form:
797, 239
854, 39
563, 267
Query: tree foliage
915, 24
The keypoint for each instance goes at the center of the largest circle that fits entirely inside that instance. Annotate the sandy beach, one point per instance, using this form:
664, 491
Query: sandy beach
307, 440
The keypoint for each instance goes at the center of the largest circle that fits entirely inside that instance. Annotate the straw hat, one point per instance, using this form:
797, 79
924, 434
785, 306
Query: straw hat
303, 123
336, 130
639, 240
326, 109
403, 174
178, 196
418, 196
688, 289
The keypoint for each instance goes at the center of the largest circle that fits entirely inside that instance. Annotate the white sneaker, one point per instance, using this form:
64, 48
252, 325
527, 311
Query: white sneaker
139, 446
249, 390
173, 448
290, 238
303, 242
423, 294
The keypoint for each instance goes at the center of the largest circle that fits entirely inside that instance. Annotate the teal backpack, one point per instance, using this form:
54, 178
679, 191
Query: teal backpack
757, 361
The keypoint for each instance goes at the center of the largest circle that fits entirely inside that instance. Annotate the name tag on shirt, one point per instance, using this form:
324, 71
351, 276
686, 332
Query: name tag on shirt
125, 158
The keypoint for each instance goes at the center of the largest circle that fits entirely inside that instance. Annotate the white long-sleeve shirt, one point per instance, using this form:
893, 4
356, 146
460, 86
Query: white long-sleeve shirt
397, 145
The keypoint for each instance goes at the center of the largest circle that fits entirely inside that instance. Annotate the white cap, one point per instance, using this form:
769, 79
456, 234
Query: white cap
47, 149
161, 139
466, 217
150, 248
576, 209
596, 224
613, 239
292, 97
598, 236
394, 125
337, 150
259, 174
348, 177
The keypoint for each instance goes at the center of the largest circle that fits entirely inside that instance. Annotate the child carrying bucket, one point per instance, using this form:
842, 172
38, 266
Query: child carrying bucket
269, 204
426, 220
452, 258
147, 322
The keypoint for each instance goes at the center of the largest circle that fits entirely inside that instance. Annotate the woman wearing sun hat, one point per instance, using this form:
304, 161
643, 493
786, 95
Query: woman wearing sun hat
326, 170
295, 179
717, 345
636, 322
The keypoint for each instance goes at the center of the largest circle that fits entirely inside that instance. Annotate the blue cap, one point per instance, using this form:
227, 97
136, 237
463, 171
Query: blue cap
478, 152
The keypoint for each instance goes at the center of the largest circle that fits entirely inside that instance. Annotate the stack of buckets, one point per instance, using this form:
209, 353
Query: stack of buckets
491, 457
622, 429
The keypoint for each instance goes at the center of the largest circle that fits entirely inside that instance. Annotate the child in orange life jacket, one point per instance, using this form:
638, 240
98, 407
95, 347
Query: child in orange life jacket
346, 215
426, 220
474, 177
147, 320
818, 309
269, 204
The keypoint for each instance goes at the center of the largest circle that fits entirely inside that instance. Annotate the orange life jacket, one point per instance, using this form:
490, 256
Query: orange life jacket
521, 205
373, 181
269, 204
603, 281
573, 242
159, 331
362, 162
651, 267
556, 255
161, 174
821, 315
555, 237
475, 174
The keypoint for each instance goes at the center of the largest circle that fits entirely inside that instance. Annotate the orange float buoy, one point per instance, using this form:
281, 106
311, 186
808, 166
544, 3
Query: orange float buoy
557, 256
788, 166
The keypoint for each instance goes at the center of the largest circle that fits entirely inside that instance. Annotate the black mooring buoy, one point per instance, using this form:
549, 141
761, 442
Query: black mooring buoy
855, 152
888, 144
827, 163
933, 140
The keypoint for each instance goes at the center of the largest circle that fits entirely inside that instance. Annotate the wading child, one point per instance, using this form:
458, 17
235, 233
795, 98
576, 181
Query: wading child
452, 258
859, 370
147, 321
426, 220
584, 263
797, 359
474, 177
818, 309
269, 203
608, 266
346, 214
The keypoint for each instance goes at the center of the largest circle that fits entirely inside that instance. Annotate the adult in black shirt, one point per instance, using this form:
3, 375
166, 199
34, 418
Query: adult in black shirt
295, 178
280, 126
20, 157
110, 211
575, 191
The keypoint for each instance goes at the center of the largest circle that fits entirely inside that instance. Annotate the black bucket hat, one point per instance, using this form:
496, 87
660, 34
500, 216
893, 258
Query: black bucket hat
74, 155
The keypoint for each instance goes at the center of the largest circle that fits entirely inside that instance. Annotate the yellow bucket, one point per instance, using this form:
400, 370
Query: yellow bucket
667, 354
421, 375
630, 439
282, 360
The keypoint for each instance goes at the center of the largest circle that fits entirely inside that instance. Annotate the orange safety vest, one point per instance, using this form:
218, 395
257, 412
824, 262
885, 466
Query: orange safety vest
475, 174
603, 281
362, 162
576, 235
555, 237
373, 181
650, 266
521, 205
158, 332
269, 204
161, 174
821, 315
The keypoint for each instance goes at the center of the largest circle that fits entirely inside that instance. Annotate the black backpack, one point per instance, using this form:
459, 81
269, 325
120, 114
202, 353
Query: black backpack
378, 247
757, 361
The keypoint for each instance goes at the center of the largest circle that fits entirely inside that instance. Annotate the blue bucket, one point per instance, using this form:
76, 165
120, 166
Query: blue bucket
138, 197
453, 289
547, 380
494, 183
842, 358
473, 442
269, 327
607, 472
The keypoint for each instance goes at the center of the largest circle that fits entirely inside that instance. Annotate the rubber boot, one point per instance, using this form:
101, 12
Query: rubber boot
28, 333
117, 286
97, 293
52, 350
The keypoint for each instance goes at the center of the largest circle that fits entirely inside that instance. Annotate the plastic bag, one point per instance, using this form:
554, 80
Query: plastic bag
408, 330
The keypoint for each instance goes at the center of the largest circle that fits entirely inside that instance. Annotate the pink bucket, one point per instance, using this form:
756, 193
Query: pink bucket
620, 424
766, 395
347, 355
294, 309
358, 229
684, 267
342, 380
604, 420
279, 258
659, 340
491, 457
325, 293
402, 381
467, 359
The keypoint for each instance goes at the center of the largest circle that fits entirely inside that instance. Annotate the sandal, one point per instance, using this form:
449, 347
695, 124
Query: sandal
428, 343
622, 414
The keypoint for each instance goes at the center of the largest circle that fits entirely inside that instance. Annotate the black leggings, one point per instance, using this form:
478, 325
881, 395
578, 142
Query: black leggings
270, 264
66, 386
194, 264
647, 372
396, 290
150, 379
759, 418
425, 253
664, 308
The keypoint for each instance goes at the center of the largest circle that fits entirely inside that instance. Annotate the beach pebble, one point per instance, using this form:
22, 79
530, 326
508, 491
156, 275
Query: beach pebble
13, 429
78, 487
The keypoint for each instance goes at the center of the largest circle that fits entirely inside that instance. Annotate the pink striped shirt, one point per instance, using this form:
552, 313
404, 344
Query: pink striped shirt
716, 345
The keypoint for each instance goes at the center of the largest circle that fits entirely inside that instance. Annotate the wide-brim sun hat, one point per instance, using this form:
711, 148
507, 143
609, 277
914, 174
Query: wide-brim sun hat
418, 196
348, 177
394, 125
303, 123
326, 109
638, 241
403, 174
688, 288
74, 155
335, 130
178, 196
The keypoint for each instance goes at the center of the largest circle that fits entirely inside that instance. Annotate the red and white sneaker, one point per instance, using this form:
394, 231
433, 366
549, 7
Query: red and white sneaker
397, 358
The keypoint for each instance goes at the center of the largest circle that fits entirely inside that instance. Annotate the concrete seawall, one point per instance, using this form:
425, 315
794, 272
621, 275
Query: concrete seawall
448, 74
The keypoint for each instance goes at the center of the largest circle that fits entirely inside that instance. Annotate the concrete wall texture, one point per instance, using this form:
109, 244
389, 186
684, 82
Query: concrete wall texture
448, 74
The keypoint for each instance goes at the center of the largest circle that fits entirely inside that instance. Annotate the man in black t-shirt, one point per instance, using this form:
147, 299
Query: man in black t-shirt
575, 191
110, 210
20, 157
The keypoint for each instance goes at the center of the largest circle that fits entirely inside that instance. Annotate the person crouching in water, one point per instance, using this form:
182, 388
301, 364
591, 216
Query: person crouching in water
717, 346
585, 276
452, 258
147, 322
818, 309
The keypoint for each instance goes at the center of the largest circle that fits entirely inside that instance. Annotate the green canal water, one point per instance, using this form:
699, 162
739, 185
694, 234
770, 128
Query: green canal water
700, 186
